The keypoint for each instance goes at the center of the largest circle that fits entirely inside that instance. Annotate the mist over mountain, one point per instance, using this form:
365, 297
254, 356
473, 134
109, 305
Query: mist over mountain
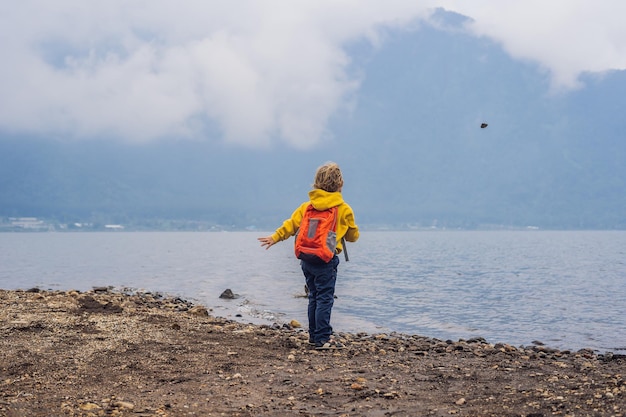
411, 148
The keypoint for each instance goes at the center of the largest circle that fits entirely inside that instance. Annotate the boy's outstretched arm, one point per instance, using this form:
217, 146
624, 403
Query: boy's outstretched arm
288, 228
266, 241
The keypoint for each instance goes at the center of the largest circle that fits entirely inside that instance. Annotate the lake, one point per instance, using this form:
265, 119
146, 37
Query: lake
566, 289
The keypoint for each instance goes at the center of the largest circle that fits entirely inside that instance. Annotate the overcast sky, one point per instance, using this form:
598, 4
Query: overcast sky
261, 72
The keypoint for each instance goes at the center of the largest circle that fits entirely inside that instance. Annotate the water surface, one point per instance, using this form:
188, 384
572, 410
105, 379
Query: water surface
565, 289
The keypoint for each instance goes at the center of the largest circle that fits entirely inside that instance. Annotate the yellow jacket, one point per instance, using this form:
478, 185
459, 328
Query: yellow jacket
322, 200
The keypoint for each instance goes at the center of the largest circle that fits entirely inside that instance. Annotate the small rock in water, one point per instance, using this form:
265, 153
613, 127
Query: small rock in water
228, 294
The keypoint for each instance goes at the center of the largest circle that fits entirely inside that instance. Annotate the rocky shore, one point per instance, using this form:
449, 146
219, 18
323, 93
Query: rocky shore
106, 353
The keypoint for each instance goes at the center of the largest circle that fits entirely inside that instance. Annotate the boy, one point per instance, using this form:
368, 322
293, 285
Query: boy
321, 277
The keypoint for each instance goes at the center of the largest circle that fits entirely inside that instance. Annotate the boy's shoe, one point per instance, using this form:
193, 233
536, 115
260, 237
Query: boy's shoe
331, 344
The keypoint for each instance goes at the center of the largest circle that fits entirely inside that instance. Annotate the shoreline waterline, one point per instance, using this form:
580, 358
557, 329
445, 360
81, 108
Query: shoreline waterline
264, 318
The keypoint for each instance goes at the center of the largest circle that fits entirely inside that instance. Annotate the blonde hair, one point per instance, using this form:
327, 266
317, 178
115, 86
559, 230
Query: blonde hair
328, 177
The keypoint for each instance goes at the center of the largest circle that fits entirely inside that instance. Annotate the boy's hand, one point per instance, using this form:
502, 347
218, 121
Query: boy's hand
266, 241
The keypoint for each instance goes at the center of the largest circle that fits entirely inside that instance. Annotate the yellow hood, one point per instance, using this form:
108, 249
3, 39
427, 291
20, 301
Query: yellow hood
323, 200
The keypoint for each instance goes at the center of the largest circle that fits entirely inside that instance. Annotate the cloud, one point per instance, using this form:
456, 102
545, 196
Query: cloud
257, 71
565, 37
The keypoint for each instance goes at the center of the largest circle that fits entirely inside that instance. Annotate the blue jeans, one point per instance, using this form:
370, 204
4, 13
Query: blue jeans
320, 278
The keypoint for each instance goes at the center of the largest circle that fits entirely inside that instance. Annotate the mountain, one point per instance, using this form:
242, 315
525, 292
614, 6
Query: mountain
548, 160
412, 151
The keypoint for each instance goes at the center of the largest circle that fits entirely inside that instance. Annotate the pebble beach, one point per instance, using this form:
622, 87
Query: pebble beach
104, 353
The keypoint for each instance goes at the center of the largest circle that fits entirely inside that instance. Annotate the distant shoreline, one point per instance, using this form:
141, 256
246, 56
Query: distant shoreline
47, 225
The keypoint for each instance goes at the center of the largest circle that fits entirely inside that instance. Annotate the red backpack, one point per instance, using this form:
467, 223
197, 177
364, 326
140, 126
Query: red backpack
316, 239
